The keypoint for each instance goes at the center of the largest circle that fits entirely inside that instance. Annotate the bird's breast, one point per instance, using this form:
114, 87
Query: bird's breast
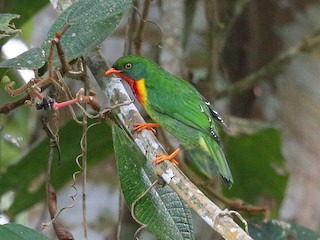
139, 89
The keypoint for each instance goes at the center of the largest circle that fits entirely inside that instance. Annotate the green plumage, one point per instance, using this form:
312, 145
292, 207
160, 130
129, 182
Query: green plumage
178, 107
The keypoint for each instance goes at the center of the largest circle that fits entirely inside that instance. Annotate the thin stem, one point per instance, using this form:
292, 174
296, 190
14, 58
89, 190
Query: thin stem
138, 36
84, 172
8, 107
134, 205
131, 23
120, 215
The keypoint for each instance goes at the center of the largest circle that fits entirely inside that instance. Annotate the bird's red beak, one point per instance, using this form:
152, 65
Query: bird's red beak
120, 74
112, 71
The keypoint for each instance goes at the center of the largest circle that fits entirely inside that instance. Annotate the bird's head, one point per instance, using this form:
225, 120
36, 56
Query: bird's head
130, 68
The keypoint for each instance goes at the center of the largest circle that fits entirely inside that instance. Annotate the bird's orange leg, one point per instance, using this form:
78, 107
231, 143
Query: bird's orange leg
161, 157
149, 126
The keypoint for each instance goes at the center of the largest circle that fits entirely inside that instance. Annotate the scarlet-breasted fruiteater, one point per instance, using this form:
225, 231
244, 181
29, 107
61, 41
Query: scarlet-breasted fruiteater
177, 106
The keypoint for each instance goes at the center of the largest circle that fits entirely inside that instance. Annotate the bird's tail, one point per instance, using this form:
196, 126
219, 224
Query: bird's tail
203, 163
217, 154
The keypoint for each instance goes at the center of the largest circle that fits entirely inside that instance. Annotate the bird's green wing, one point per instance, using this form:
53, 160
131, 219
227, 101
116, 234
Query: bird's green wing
180, 100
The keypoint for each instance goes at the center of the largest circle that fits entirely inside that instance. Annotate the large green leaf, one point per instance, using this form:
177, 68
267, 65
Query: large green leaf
7, 29
161, 209
12, 231
33, 59
278, 230
20, 177
257, 164
90, 22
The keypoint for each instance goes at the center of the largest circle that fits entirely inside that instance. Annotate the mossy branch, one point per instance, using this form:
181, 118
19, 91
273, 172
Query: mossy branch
128, 115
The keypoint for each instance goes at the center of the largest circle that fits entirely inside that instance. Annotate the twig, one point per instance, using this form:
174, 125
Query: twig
307, 44
84, 173
120, 215
50, 192
143, 21
65, 66
134, 205
8, 107
138, 36
130, 27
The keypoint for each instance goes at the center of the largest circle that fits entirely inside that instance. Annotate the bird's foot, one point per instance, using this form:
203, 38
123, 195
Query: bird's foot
162, 157
149, 126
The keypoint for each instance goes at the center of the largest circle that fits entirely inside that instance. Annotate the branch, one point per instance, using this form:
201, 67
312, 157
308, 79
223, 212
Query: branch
138, 36
305, 45
128, 115
8, 107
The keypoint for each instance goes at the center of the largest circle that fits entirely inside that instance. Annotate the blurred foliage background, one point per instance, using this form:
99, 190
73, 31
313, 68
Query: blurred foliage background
273, 150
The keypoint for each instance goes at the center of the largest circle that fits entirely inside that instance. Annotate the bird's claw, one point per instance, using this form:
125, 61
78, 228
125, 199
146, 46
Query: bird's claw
149, 126
162, 157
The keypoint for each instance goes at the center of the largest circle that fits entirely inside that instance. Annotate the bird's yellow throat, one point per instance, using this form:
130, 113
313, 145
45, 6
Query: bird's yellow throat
140, 91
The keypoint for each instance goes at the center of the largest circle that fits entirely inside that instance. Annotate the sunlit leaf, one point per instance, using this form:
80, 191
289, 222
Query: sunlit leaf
89, 23
32, 59
166, 216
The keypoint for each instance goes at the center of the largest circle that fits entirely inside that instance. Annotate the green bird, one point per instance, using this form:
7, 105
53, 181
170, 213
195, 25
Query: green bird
176, 105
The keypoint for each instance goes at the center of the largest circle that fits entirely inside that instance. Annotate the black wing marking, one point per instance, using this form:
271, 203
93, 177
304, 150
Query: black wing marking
211, 127
216, 115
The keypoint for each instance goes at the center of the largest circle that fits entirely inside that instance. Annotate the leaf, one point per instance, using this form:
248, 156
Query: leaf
279, 230
26, 9
13, 231
257, 164
32, 59
20, 177
161, 209
7, 29
90, 22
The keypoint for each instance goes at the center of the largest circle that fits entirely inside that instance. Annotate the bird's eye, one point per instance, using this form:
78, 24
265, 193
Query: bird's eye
128, 65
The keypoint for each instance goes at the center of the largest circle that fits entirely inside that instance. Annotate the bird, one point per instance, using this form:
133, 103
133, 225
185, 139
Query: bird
177, 106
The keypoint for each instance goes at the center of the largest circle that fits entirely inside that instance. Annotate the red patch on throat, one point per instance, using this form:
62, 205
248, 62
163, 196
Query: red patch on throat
138, 88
